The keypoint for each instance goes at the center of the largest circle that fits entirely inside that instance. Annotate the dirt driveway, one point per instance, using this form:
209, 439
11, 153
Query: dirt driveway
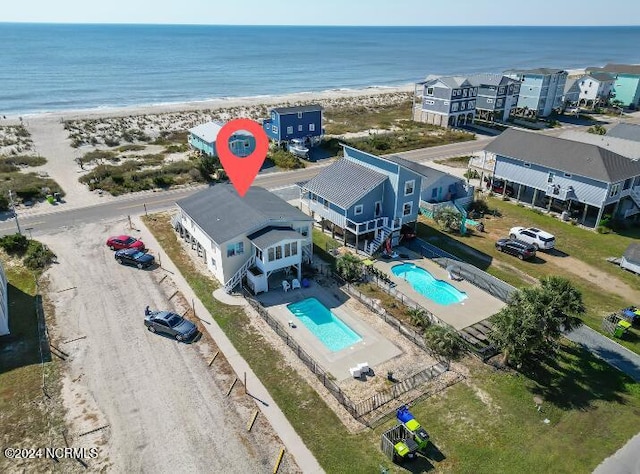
153, 401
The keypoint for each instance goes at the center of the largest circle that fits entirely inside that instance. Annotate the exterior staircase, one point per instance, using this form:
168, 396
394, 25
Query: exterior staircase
378, 241
239, 275
463, 217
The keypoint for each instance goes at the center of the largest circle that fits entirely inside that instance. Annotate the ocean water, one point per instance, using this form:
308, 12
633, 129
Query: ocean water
53, 67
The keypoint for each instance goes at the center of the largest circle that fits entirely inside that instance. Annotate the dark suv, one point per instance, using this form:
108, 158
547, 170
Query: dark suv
520, 249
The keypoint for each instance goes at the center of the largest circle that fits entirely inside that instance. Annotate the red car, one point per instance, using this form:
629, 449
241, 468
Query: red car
124, 242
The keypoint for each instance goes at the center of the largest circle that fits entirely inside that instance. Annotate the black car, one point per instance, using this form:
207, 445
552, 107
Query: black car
169, 323
520, 249
134, 257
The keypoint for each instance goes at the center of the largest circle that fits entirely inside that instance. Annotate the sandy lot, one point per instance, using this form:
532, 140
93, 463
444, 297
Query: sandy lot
159, 405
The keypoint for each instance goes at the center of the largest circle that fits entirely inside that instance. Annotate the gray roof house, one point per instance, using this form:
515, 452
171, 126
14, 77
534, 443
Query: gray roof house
582, 178
448, 101
627, 131
254, 236
541, 91
621, 146
365, 198
497, 96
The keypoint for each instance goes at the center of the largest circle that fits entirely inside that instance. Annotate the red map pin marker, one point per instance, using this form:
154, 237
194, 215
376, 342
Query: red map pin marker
242, 171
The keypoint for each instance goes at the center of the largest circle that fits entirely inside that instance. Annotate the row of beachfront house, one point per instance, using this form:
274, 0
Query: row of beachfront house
453, 101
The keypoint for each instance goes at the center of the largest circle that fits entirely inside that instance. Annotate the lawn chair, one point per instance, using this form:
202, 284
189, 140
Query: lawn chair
285, 285
295, 284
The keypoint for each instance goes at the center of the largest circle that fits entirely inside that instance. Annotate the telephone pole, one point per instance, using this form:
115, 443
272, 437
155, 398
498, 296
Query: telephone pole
15, 214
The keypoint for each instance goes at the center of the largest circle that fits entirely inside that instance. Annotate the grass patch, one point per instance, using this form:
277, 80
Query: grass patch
418, 135
23, 160
27, 418
455, 162
492, 424
99, 155
284, 159
356, 119
28, 186
131, 147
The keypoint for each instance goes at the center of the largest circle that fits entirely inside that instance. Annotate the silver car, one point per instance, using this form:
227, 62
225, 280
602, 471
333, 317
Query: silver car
169, 323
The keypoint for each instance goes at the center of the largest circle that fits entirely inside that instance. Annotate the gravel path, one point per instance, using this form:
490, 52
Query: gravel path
608, 350
157, 396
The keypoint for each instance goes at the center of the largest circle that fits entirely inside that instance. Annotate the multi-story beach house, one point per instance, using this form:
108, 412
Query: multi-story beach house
497, 96
627, 84
448, 101
303, 122
203, 138
586, 180
258, 236
589, 90
370, 200
541, 91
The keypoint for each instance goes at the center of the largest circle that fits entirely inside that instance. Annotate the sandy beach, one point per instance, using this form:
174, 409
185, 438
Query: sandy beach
64, 136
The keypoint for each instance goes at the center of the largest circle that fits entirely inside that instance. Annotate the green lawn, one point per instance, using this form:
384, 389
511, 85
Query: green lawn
27, 418
593, 409
584, 245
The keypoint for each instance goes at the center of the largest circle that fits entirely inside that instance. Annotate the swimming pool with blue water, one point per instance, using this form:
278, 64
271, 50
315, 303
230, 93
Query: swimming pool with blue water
325, 325
424, 283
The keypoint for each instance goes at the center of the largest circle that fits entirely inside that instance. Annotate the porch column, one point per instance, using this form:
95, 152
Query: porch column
344, 233
519, 192
356, 243
550, 202
584, 214
333, 231
535, 197
599, 216
504, 187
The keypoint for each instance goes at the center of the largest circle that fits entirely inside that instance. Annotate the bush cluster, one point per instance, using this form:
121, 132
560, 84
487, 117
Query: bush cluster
35, 255
285, 160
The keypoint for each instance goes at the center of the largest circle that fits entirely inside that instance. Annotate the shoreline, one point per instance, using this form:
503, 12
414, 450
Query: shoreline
207, 104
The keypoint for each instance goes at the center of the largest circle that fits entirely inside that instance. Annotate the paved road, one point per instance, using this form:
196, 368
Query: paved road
609, 351
625, 461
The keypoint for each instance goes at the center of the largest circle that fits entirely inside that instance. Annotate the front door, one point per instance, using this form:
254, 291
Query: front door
378, 209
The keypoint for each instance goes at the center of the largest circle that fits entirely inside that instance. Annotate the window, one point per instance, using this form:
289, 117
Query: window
615, 190
271, 254
429, 102
274, 128
287, 250
434, 193
463, 105
409, 187
454, 107
299, 128
489, 101
550, 177
304, 231
501, 90
567, 175
627, 183
213, 263
294, 248
429, 90
235, 249
273, 115
358, 209
527, 165
499, 102
406, 209
299, 115
465, 92
278, 252
258, 254
471, 104
312, 127
378, 209
289, 130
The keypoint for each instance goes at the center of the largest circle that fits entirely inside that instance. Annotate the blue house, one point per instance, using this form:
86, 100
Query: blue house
584, 179
302, 122
366, 198
203, 138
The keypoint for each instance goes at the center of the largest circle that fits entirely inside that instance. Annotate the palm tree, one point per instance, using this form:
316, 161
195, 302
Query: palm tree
418, 317
349, 267
448, 218
443, 341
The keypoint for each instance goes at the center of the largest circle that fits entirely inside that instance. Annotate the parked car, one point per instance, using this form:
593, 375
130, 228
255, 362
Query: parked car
540, 239
498, 188
134, 257
520, 249
169, 323
124, 242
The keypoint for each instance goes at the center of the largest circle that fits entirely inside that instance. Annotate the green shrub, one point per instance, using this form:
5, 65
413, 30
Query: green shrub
471, 174
111, 141
602, 230
285, 160
176, 148
38, 256
97, 155
131, 147
163, 181
25, 160
14, 244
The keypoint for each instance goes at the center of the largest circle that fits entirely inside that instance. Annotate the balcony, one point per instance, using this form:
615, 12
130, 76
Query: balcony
557, 192
368, 226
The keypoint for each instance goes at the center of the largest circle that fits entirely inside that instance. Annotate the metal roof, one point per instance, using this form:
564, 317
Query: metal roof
429, 175
570, 156
627, 131
223, 214
298, 108
626, 148
270, 235
545, 71
344, 183
490, 79
208, 132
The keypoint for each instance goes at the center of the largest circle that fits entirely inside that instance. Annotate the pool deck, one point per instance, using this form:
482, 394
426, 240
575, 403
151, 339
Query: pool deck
477, 307
373, 349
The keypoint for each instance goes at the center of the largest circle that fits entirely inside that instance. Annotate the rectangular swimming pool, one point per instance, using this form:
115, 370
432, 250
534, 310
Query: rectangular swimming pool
424, 283
325, 325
